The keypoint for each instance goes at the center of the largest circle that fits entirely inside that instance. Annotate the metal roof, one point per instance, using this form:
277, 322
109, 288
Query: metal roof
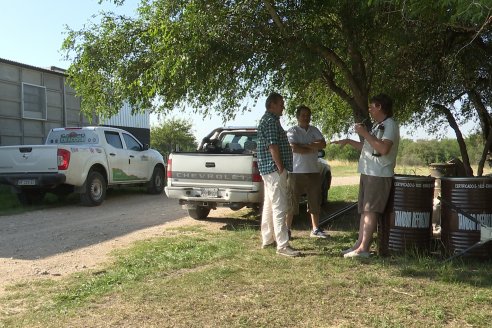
52, 69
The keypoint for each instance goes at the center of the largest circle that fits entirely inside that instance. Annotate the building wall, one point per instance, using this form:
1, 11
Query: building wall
24, 89
137, 124
20, 125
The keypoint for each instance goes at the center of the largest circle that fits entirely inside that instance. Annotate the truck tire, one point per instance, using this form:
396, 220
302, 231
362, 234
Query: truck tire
95, 189
31, 197
156, 183
199, 212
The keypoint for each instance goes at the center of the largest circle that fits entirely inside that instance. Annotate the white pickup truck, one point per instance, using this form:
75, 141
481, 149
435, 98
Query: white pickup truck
223, 172
84, 160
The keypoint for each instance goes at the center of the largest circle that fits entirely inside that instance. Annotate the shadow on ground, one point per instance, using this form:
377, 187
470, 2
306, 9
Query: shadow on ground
248, 219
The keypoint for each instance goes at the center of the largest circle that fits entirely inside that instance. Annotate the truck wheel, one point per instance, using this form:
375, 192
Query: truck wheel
156, 183
199, 213
31, 197
95, 189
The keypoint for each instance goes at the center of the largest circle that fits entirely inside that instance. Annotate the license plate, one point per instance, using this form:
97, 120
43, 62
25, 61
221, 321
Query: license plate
26, 182
210, 192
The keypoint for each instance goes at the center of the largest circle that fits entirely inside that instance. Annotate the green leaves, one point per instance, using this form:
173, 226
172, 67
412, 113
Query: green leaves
171, 135
331, 55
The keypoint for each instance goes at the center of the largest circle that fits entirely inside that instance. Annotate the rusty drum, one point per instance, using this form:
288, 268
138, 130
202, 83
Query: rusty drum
407, 221
473, 195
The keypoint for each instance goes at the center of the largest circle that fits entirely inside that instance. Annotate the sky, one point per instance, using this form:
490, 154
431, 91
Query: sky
32, 32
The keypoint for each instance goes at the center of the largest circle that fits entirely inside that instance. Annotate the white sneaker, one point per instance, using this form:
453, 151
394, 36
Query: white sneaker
354, 254
347, 251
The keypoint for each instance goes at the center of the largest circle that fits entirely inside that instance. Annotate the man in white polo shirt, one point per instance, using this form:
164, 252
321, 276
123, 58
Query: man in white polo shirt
306, 140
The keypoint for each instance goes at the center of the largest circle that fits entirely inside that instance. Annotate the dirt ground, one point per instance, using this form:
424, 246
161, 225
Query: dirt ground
55, 243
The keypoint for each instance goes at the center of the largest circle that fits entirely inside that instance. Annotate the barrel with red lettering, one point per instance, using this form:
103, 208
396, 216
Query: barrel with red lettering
472, 195
407, 222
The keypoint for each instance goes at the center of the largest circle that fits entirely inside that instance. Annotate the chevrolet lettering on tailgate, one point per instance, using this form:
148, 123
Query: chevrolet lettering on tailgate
211, 176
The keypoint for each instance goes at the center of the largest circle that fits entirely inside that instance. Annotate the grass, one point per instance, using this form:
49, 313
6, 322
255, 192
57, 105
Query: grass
343, 168
196, 276
346, 169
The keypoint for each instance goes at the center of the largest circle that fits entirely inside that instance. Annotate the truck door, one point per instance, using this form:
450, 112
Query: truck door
139, 166
118, 159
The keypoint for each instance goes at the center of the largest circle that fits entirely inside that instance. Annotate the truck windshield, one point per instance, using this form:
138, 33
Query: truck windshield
72, 137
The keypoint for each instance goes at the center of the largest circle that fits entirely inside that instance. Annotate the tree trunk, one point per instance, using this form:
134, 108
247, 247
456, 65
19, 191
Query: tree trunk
486, 151
459, 138
483, 115
485, 124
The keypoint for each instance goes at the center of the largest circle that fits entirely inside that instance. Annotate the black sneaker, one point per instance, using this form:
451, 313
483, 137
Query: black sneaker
271, 245
318, 233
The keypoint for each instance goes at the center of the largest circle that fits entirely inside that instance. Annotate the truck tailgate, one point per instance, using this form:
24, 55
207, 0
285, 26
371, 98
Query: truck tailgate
212, 170
28, 158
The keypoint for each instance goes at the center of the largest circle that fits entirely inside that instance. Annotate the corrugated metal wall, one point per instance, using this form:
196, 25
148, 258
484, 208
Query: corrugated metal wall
62, 107
137, 124
16, 127
127, 119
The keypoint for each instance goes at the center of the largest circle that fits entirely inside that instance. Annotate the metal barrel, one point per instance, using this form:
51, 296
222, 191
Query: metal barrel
472, 195
407, 221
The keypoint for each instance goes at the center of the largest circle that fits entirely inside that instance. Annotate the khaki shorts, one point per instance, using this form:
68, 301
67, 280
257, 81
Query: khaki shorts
373, 193
309, 184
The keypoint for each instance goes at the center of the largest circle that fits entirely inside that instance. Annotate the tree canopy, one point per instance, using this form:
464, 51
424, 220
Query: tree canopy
172, 134
330, 54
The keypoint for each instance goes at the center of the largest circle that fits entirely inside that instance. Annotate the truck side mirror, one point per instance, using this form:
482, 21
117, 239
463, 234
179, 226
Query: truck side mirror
146, 147
321, 153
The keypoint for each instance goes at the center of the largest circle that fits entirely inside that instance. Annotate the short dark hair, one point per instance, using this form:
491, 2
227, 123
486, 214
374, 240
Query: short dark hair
300, 108
385, 102
274, 97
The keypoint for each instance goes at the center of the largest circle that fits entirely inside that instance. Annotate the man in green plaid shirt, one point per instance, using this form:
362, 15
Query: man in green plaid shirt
274, 163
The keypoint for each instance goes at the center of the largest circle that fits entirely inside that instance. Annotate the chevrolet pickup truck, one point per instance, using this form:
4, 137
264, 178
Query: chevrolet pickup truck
85, 160
223, 172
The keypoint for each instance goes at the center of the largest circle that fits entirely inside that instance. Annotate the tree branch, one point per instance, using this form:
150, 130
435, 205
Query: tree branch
487, 22
328, 76
276, 18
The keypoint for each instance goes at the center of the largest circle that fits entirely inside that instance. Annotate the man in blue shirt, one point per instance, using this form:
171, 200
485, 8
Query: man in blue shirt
274, 163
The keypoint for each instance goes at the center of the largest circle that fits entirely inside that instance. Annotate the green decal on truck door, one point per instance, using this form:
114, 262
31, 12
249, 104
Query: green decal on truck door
120, 175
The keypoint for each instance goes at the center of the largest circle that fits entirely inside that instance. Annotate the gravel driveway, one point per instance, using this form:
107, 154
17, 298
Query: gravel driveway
59, 241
